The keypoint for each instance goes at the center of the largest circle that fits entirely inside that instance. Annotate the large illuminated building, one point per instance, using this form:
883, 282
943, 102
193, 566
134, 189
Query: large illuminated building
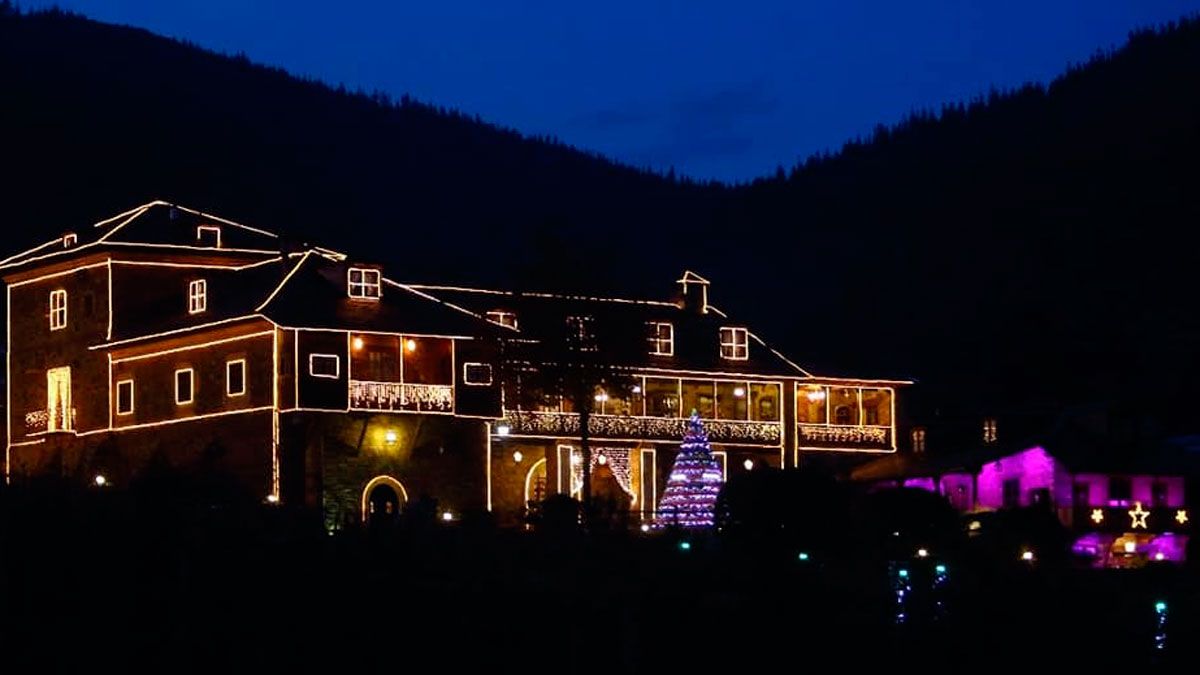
166, 336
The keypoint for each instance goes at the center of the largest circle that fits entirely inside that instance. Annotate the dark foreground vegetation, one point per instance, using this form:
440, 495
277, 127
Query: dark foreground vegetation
167, 578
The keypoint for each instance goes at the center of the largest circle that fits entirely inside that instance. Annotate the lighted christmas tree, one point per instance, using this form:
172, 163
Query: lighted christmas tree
690, 499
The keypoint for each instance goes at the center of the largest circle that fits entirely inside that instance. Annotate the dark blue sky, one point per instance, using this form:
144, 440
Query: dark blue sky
724, 90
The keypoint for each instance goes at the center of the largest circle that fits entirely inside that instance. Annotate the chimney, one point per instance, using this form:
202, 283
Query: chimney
694, 292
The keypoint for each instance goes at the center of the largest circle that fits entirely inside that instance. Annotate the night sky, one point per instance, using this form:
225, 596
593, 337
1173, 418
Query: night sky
725, 90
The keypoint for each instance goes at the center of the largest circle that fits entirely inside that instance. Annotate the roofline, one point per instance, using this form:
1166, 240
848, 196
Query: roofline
129, 216
539, 294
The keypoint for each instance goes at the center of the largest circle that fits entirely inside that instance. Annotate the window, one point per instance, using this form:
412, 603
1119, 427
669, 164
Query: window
197, 296
661, 338
58, 309
581, 333
184, 386
735, 344
209, 235
364, 284
989, 430
235, 377
1158, 494
477, 374
1012, 493
918, 440
124, 397
1120, 488
324, 365
69, 240
503, 318
1081, 494
60, 416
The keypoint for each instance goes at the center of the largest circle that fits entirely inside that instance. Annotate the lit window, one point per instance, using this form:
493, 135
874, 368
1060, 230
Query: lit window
364, 283
503, 318
58, 310
324, 365
581, 333
184, 386
661, 338
477, 374
989, 430
735, 344
235, 377
125, 397
209, 235
918, 440
60, 416
197, 296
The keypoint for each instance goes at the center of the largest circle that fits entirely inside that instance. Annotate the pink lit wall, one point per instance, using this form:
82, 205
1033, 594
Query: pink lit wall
1034, 468
1141, 487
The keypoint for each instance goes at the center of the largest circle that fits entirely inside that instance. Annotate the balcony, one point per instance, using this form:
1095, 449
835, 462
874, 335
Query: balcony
566, 425
38, 421
838, 437
401, 397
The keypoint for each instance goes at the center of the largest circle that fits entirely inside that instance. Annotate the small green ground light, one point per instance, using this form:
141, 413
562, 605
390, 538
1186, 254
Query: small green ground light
803, 557
685, 546
1160, 606
940, 569
903, 574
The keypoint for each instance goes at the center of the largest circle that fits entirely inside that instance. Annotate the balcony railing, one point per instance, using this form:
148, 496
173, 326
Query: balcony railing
844, 437
649, 428
401, 396
39, 421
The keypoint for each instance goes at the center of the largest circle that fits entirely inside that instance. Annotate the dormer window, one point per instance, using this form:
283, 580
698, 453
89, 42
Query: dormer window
70, 240
661, 338
918, 439
208, 235
581, 333
503, 318
197, 296
989, 430
735, 344
364, 284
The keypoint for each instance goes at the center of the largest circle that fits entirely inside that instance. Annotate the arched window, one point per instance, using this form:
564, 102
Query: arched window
841, 415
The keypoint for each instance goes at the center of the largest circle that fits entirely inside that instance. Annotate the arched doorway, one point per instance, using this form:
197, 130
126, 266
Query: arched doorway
382, 500
535, 482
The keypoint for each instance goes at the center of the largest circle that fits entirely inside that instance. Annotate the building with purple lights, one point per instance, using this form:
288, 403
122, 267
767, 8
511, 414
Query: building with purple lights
1124, 506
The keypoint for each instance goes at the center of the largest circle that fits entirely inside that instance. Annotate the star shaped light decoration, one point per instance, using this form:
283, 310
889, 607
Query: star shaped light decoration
1181, 516
1097, 516
1139, 515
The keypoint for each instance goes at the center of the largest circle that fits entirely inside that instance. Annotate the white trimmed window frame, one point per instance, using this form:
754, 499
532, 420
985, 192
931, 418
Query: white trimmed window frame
201, 229
735, 343
660, 345
197, 296
229, 366
337, 365
367, 286
58, 309
191, 375
502, 317
476, 383
123, 383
